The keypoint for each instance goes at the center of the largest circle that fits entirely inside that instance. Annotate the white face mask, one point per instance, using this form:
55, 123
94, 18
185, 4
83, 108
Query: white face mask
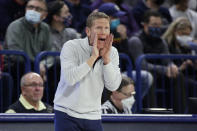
33, 16
183, 40
127, 104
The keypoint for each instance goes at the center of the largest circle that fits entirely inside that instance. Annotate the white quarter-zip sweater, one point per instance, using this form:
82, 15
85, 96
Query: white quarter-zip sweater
80, 88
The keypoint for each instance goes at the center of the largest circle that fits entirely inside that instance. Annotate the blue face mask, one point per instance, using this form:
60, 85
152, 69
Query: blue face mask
33, 16
67, 21
155, 32
114, 24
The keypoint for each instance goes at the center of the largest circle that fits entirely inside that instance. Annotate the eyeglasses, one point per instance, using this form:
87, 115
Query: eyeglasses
34, 85
128, 94
39, 9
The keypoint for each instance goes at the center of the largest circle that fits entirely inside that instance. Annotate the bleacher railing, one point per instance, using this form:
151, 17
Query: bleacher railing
139, 68
12, 72
52, 73
129, 66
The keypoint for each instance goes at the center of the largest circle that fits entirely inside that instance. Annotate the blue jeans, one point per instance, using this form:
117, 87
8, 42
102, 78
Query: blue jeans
64, 122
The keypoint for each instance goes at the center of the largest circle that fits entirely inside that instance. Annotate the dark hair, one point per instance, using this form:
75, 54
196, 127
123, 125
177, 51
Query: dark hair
177, 1
148, 14
125, 82
54, 8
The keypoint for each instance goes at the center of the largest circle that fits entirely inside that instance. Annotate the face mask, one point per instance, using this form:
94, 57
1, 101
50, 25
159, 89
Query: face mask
114, 24
127, 104
183, 40
33, 16
158, 2
68, 20
155, 32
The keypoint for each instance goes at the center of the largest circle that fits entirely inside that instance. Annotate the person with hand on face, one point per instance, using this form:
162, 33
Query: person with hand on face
87, 65
31, 94
29, 33
121, 101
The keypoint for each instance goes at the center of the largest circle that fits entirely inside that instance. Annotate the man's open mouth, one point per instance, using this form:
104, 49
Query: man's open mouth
101, 39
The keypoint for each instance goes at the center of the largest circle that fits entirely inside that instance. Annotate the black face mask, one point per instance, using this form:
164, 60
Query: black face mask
158, 2
155, 32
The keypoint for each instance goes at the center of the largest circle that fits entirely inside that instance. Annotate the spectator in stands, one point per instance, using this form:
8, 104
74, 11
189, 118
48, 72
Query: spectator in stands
181, 9
31, 94
127, 19
10, 10
59, 19
149, 41
86, 66
121, 101
180, 42
178, 37
80, 12
144, 5
29, 33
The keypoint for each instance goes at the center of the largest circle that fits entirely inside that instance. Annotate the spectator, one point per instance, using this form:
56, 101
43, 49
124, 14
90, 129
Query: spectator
144, 5
127, 19
29, 33
121, 101
178, 35
80, 12
31, 94
59, 19
181, 9
149, 41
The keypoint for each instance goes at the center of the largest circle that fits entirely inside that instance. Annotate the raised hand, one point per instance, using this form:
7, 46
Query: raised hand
105, 51
172, 71
95, 51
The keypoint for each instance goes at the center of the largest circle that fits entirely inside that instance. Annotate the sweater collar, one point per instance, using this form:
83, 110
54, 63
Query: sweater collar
28, 106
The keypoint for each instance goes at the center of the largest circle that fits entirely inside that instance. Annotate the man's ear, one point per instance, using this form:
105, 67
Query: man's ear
44, 15
55, 17
87, 30
23, 90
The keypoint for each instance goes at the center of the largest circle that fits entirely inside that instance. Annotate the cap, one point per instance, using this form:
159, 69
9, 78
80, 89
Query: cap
111, 9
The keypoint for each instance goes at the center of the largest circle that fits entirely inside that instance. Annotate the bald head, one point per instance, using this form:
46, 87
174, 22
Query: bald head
32, 87
29, 76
